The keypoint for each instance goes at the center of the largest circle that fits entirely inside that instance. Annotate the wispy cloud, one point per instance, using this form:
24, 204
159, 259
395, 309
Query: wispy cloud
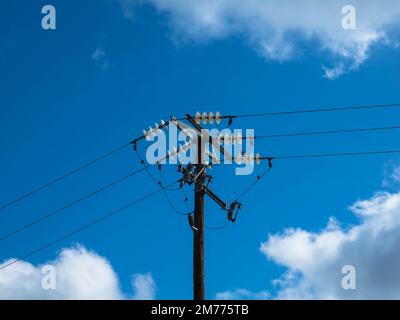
144, 286
128, 8
99, 56
391, 175
242, 294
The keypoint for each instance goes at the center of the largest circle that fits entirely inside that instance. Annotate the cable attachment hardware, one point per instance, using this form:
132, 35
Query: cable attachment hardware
234, 210
134, 142
191, 223
270, 162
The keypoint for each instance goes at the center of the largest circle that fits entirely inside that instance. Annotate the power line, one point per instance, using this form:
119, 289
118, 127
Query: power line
58, 179
323, 155
146, 167
315, 110
69, 205
170, 203
70, 173
165, 189
245, 192
84, 227
223, 226
307, 133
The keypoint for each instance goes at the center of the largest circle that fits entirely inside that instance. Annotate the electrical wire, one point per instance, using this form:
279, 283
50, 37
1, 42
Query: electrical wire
218, 228
277, 113
309, 133
172, 206
69, 205
245, 192
146, 167
70, 173
324, 155
165, 189
84, 227
315, 110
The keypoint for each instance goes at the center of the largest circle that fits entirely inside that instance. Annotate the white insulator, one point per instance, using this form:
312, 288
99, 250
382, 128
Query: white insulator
218, 117
197, 117
227, 139
172, 153
239, 138
211, 117
251, 140
219, 138
204, 117
163, 123
239, 158
251, 158
246, 158
258, 158
144, 132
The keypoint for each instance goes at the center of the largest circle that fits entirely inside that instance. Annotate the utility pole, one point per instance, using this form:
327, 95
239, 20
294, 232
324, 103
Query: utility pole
198, 236
197, 175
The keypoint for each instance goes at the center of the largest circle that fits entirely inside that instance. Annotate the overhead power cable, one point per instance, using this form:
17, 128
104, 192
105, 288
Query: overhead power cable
146, 167
321, 155
309, 133
71, 204
324, 155
70, 173
245, 192
314, 110
84, 227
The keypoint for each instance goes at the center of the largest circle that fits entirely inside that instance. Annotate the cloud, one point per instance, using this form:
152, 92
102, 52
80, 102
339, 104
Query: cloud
391, 175
80, 274
99, 56
334, 72
128, 8
314, 260
277, 30
144, 286
242, 294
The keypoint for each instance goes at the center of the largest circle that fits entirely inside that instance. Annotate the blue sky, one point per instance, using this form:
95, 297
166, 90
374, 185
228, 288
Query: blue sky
61, 107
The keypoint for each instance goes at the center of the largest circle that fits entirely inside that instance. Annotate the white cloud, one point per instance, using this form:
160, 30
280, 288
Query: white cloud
80, 274
391, 175
242, 294
314, 260
334, 72
144, 286
277, 29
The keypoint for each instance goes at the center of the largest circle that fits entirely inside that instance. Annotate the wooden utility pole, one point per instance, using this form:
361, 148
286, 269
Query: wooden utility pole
199, 178
198, 236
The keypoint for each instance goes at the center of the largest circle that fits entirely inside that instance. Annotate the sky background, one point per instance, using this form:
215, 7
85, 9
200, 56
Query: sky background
71, 94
